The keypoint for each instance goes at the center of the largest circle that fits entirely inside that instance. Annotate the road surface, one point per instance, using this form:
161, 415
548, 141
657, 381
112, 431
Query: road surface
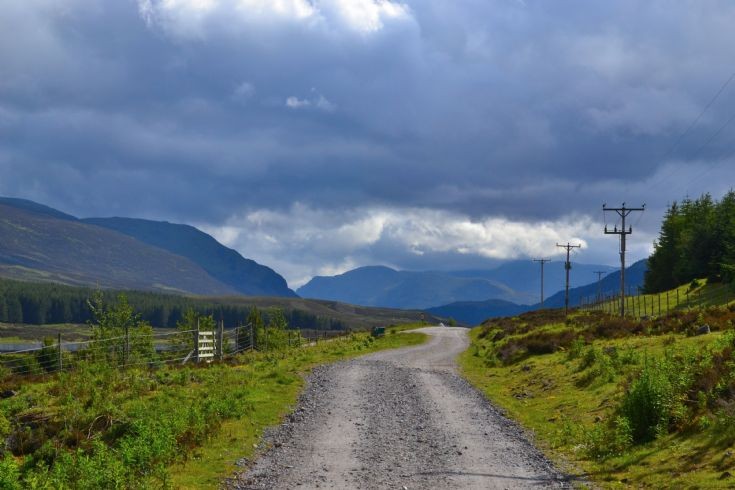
400, 418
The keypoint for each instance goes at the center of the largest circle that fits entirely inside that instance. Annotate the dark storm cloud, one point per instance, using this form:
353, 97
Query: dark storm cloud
210, 111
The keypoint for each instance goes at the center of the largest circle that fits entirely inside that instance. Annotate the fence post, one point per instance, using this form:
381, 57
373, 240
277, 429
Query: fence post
126, 353
237, 338
659, 304
252, 338
61, 366
266, 338
220, 340
196, 342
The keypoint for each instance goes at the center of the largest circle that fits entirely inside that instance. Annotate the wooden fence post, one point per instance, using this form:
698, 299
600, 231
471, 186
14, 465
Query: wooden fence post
196, 342
126, 348
61, 366
221, 340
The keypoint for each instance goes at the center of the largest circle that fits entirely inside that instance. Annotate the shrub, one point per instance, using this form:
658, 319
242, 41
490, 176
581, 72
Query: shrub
655, 399
9, 473
608, 440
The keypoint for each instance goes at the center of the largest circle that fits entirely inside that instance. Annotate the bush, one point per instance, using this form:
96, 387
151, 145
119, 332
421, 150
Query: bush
655, 399
608, 440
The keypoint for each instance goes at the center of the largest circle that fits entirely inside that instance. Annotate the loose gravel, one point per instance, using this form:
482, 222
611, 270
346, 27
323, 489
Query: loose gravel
398, 419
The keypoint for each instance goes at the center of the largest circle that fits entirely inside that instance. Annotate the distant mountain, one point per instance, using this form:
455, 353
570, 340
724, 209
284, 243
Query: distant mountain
524, 277
475, 312
517, 281
39, 243
386, 287
610, 284
224, 264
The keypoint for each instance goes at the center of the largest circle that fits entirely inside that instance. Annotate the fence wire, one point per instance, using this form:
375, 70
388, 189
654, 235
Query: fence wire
150, 350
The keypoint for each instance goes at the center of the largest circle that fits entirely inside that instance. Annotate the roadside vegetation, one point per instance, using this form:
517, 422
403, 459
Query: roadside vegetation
627, 402
168, 426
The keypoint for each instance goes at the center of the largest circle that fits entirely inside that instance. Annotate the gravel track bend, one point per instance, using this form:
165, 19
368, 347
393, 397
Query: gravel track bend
400, 418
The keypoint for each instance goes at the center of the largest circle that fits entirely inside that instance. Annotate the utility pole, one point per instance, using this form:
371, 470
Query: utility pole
567, 267
623, 212
542, 262
599, 284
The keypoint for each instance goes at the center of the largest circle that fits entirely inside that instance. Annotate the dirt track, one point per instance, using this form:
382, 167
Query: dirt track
399, 419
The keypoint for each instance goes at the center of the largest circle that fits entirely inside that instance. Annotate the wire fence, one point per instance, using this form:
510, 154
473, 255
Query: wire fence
638, 305
154, 349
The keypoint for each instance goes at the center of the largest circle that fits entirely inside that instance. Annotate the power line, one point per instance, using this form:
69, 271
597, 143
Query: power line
567, 267
542, 261
623, 212
689, 129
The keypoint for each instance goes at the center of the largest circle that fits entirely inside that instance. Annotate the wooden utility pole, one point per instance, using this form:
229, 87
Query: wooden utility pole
567, 267
542, 262
623, 212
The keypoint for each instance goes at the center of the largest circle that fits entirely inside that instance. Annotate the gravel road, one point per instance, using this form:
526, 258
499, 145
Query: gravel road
398, 419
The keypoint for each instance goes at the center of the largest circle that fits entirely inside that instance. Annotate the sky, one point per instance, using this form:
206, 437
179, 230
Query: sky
316, 136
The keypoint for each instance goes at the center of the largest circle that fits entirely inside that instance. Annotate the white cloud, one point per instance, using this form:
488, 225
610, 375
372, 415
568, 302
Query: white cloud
320, 102
244, 91
304, 241
295, 103
192, 18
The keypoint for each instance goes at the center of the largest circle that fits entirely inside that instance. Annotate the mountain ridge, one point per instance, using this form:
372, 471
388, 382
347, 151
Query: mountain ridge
43, 244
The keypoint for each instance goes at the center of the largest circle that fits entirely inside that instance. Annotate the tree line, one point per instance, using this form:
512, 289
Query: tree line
46, 303
697, 240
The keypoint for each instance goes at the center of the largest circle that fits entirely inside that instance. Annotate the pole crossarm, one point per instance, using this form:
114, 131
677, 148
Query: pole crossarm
623, 212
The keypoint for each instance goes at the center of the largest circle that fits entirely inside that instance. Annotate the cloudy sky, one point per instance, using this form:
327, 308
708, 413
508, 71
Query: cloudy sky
319, 135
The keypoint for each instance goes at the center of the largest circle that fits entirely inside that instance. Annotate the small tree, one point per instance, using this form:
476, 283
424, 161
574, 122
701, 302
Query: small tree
255, 320
118, 333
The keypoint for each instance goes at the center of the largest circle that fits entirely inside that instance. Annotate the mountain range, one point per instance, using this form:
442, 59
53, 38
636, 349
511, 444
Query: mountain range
516, 282
475, 312
39, 243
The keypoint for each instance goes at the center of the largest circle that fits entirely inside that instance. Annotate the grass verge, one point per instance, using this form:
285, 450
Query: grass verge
627, 405
173, 427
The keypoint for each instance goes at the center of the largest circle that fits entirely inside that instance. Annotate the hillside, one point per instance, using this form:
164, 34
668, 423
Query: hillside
224, 264
610, 284
383, 286
475, 312
42, 304
40, 247
631, 403
40, 243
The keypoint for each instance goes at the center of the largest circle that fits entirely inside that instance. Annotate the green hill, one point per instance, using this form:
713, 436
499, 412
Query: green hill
224, 264
38, 246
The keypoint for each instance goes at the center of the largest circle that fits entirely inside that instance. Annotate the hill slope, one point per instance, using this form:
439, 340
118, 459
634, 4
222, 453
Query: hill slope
383, 286
39, 246
524, 277
224, 264
609, 284
475, 312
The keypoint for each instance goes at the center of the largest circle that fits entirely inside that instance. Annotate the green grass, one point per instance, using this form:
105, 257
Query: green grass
701, 294
180, 427
570, 398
